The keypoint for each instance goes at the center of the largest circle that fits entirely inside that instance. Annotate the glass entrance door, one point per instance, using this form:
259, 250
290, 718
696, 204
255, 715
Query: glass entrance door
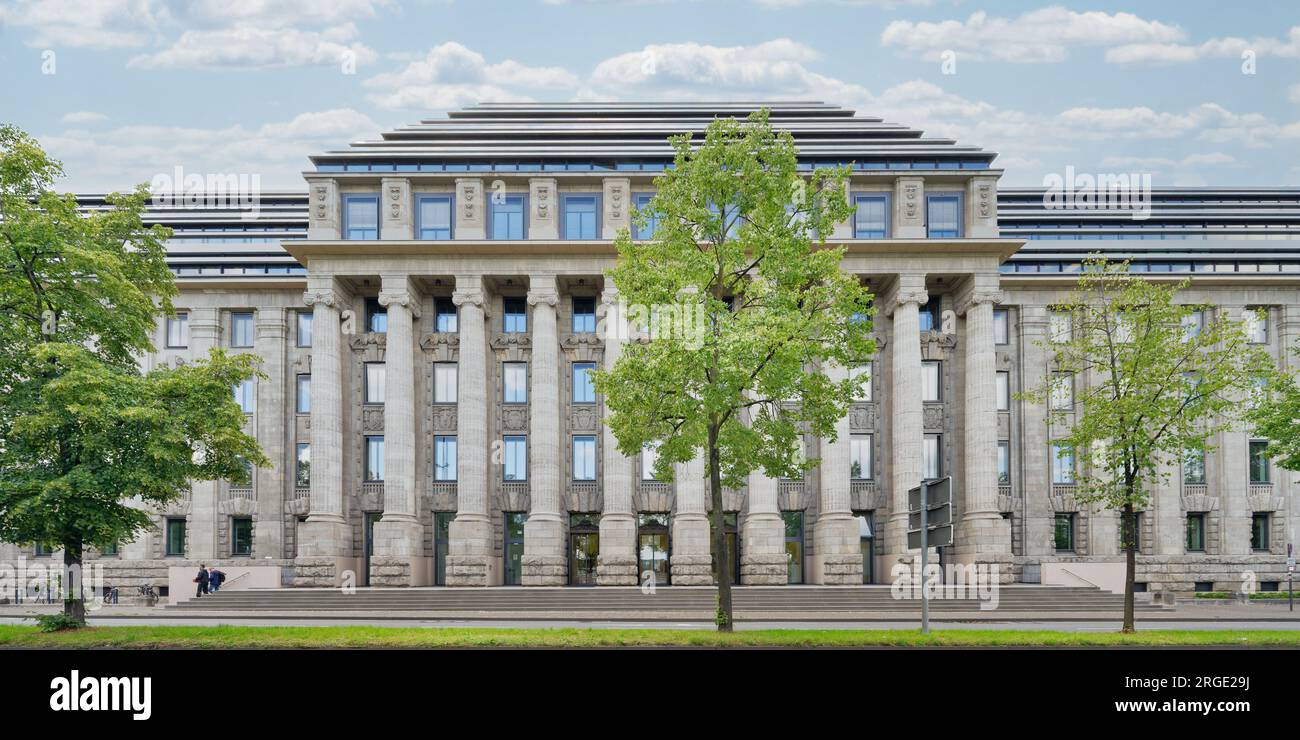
584, 549
793, 545
867, 542
371, 517
514, 547
653, 549
441, 544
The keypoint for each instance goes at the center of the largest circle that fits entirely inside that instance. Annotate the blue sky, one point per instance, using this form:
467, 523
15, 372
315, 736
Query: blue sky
1193, 92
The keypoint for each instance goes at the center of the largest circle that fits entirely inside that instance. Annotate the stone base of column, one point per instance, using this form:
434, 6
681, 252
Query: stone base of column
543, 563
469, 556
691, 564
896, 534
325, 537
981, 536
763, 562
617, 564
319, 572
837, 560
400, 572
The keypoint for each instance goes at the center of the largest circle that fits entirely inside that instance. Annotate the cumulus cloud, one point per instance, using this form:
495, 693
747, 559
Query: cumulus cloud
95, 24
1044, 35
84, 116
1230, 47
452, 75
253, 47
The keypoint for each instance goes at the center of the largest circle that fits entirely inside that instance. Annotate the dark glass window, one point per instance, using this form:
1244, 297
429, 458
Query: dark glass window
1064, 533
241, 536
584, 457
516, 458
444, 457
361, 217
176, 538
375, 458
302, 470
1259, 472
303, 401
304, 328
584, 315
445, 320
516, 315
376, 316
793, 545
1196, 532
1259, 522
241, 330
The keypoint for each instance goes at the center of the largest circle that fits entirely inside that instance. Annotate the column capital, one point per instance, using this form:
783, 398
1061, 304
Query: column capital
969, 299
398, 292
907, 288
326, 297
542, 289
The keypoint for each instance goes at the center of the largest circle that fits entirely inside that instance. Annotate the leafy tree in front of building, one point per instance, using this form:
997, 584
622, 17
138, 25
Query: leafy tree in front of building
82, 429
1138, 381
745, 307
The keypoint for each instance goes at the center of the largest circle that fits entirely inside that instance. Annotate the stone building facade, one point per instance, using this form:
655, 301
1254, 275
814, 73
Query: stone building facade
427, 311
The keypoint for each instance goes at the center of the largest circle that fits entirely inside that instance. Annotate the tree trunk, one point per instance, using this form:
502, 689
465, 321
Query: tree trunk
1130, 562
71, 583
721, 558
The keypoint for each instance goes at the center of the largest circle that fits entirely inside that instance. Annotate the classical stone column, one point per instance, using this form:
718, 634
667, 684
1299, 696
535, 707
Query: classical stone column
762, 534
544, 547
837, 556
201, 539
1232, 483
983, 534
692, 562
399, 537
617, 564
469, 557
272, 433
1035, 473
325, 545
906, 426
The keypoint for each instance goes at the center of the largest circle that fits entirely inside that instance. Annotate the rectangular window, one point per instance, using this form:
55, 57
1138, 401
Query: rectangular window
361, 217
1062, 391
302, 404
444, 457
943, 215
584, 457
1259, 472
1259, 522
1064, 533
433, 217
302, 466
642, 203
1194, 467
515, 311
1001, 326
516, 457
507, 217
246, 395
1003, 391
580, 216
1193, 324
241, 536
871, 216
375, 458
109, 550
862, 372
932, 456
584, 315
649, 458
514, 382
241, 329
304, 328
176, 538
178, 330
860, 457
1004, 463
930, 380
1060, 326
444, 382
1062, 464
1196, 532
928, 317
445, 318
376, 317
1256, 320
583, 389
376, 373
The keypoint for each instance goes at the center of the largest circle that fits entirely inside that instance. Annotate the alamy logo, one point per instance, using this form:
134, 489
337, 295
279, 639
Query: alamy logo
93, 694
1121, 191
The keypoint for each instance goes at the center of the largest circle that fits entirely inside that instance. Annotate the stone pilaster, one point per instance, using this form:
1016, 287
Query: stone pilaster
909, 208
692, 564
544, 546
617, 205
983, 534
837, 556
471, 209
906, 428
396, 221
617, 564
469, 558
201, 541
1232, 452
1035, 473
982, 211
398, 537
272, 433
323, 210
543, 209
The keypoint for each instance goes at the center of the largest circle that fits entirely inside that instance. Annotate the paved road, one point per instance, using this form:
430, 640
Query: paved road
1080, 626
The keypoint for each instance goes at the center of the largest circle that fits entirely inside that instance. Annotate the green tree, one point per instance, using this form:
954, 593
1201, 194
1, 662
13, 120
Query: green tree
744, 304
81, 428
1276, 417
1151, 381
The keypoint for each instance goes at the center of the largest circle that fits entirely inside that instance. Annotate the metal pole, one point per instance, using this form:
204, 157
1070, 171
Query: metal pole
925, 547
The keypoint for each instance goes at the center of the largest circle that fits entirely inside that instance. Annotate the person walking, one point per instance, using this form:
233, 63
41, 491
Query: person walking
202, 579
215, 579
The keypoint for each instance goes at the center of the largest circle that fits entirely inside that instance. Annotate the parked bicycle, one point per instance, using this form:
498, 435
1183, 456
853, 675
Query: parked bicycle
147, 593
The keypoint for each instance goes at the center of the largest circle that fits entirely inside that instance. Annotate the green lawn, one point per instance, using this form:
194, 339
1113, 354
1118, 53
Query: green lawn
22, 636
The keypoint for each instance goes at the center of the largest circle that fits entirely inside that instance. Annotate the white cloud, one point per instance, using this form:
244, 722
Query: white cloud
96, 24
451, 75
252, 47
84, 116
1045, 35
1227, 47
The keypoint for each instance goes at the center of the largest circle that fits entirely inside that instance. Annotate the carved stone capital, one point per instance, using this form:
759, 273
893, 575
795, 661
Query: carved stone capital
976, 297
904, 297
402, 298
320, 297
547, 296
470, 296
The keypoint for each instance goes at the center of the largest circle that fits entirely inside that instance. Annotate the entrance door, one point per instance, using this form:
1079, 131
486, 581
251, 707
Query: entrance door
867, 543
653, 548
584, 549
371, 517
514, 547
441, 544
793, 545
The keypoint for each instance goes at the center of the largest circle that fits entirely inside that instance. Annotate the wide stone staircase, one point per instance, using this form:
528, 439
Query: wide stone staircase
630, 603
